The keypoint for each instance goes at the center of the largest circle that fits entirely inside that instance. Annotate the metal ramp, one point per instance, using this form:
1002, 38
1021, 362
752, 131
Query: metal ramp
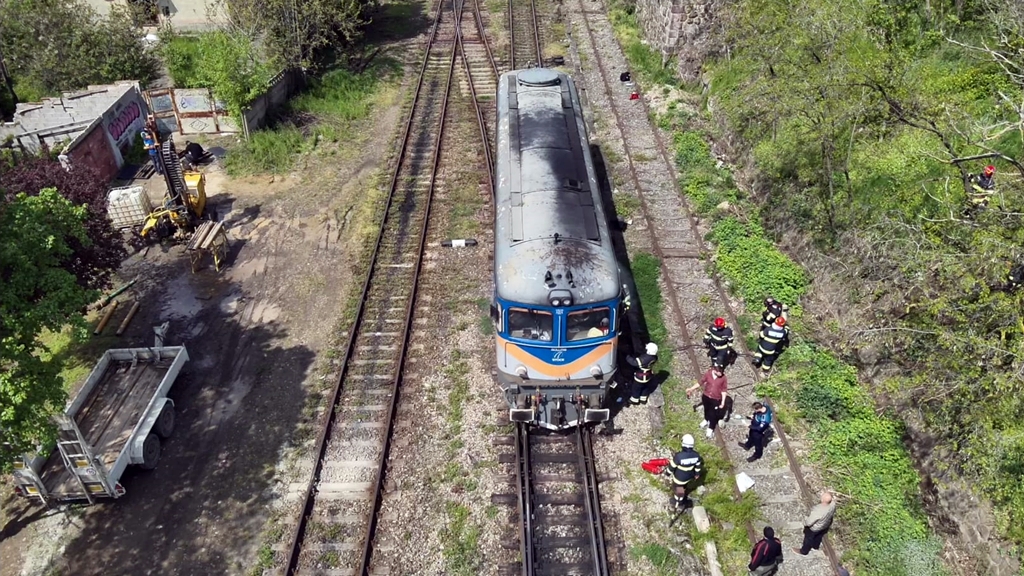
79, 460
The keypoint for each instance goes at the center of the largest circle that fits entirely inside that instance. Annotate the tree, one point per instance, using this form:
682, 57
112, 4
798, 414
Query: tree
227, 63
55, 45
37, 292
91, 262
297, 30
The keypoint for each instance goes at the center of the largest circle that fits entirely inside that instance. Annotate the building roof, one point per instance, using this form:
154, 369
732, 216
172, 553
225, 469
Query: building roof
73, 111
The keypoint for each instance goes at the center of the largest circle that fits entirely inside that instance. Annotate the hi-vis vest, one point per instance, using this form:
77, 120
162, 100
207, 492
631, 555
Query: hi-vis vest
770, 338
644, 363
686, 465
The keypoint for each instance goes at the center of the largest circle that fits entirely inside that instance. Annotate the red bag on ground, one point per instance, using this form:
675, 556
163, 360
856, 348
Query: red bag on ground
655, 466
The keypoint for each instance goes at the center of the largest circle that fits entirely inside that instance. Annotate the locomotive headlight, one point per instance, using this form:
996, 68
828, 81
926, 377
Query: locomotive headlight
521, 371
596, 371
555, 301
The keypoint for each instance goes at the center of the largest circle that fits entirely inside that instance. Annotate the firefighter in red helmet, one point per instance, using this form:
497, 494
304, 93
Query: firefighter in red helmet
719, 339
982, 187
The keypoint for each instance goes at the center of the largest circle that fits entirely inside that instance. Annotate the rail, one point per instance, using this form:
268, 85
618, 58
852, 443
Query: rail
380, 354
560, 526
524, 55
474, 74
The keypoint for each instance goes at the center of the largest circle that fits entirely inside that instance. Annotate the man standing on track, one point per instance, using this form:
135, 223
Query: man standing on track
719, 338
759, 424
817, 523
770, 344
716, 390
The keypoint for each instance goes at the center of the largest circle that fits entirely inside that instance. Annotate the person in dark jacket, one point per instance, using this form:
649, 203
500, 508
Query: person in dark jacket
766, 555
772, 310
759, 424
643, 373
686, 470
770, 344
1015, 278
718, 339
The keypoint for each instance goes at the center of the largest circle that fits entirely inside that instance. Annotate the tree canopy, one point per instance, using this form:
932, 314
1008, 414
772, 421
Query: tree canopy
91, 262
55, 45
37, 292
865, 120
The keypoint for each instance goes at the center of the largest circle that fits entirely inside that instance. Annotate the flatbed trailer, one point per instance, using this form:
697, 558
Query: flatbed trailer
116, 419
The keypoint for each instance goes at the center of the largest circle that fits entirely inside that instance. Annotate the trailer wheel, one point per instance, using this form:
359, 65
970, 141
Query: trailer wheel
150, 452
165, 422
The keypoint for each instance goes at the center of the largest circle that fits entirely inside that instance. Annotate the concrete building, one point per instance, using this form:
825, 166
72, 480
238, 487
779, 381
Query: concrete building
182, 14
96, 125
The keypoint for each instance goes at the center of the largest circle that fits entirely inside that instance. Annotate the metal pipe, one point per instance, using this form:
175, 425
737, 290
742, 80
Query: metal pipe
128, 318
105, 319
106, 300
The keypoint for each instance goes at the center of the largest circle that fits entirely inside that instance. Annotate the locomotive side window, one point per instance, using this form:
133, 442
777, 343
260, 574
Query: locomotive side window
530, 324
587, 324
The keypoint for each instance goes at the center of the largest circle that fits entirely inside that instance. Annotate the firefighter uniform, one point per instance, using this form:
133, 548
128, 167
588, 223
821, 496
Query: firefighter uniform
770, 343
773, 309
983, 186
644, 364
686, 469
718, 340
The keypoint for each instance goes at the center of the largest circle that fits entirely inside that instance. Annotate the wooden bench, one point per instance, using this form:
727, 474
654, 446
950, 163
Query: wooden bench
210, 238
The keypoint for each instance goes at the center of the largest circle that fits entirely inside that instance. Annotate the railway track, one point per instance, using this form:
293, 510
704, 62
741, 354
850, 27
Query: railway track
482, 77
675, 238
560, 530
524, 34
335, 532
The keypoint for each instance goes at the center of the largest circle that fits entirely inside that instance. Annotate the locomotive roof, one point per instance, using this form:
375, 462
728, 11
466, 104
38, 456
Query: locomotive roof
548, 216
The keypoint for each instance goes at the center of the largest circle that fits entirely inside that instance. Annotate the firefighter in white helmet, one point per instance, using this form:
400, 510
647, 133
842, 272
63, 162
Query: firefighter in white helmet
686, 469
643, 374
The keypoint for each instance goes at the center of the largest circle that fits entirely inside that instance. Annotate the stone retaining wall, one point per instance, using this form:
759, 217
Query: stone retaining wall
681, 28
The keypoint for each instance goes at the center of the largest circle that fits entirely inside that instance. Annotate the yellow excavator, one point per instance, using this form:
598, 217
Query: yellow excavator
184, 204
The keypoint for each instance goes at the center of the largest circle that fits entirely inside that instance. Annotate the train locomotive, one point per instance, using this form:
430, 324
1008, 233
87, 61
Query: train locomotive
557, 292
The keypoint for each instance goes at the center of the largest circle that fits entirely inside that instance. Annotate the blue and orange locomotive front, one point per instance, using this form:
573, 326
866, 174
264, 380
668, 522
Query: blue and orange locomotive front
557, 298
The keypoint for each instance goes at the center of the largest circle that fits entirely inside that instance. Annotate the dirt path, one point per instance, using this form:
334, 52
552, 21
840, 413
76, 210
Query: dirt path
254, 333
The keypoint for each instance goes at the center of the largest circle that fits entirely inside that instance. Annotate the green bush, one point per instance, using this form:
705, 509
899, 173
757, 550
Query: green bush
270, 151
227, 63
866, 461
753, 265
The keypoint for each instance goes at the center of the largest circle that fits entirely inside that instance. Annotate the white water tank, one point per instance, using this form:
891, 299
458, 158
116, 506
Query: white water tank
128, 206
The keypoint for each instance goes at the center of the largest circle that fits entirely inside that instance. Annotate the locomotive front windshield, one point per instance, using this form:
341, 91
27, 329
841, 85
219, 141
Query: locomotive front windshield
587, 324
530, 324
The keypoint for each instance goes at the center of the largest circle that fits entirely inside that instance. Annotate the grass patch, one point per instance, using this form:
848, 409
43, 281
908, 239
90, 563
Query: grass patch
866, 461
325, 113
679, 419
646, 61
77, 351
460, 541
626, 205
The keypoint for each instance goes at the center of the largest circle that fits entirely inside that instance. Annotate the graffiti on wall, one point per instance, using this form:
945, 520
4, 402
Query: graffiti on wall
121, 127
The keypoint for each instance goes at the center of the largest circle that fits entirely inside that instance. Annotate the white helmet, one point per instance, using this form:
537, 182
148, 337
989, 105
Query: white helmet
652, 349
687, 441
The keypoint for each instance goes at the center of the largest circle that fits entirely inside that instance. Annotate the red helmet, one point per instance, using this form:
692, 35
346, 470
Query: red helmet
780, 321
719, 322
990, 170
